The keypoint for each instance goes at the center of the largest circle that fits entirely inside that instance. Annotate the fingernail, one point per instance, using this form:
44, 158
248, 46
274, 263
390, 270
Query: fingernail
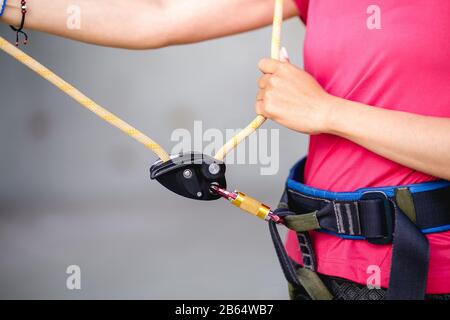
284, 56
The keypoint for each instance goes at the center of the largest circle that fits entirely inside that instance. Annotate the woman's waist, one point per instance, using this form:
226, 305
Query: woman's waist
346, 167
302, 180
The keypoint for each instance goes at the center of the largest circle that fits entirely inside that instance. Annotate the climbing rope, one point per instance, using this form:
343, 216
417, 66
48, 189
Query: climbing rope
259, 120
107, 116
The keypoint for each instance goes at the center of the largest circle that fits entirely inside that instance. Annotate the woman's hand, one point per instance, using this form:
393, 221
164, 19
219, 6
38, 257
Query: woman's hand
292, 97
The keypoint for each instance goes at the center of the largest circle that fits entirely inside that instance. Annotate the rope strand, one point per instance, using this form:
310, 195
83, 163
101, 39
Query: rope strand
259, 120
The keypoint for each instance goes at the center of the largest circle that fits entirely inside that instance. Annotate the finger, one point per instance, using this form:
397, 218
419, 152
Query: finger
268, 66
260, 95
259, 108
263, 81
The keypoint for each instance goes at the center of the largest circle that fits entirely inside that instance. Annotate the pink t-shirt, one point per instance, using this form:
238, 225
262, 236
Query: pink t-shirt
392, 54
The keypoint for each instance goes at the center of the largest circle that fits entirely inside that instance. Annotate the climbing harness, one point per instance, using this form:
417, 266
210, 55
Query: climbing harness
399, 216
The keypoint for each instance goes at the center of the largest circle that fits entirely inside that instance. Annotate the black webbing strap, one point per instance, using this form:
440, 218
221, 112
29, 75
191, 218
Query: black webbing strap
372, 218
301, 278
409, 263
283, 257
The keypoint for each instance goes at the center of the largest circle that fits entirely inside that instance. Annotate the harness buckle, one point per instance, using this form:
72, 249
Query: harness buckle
389, 215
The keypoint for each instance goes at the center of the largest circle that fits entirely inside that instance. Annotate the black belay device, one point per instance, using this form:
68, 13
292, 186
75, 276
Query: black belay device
201, 177
191, 175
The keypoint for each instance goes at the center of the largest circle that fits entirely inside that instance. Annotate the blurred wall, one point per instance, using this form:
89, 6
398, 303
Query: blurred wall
74, 190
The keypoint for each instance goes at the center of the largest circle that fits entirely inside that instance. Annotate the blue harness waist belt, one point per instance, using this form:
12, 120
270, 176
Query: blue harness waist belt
399, 215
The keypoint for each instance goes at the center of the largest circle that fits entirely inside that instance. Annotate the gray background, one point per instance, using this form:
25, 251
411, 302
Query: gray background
74, 190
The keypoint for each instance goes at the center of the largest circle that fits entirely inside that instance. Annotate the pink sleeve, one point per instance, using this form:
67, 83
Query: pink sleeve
302, 6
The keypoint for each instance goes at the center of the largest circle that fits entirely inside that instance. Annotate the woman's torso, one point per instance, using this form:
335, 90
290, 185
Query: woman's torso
395, 55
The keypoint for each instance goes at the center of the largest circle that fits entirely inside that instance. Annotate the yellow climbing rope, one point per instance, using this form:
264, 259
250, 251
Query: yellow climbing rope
122, 125
82, 99
259, 120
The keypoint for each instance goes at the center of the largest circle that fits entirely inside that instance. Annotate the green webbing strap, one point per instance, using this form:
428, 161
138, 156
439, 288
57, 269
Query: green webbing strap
313, 285
302, 222
404, 200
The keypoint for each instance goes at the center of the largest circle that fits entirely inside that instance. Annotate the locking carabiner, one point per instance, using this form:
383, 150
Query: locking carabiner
248, 204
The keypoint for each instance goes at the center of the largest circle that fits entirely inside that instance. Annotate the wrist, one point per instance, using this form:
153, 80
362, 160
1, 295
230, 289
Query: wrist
347, 118
11, 11
330, 113
341, 116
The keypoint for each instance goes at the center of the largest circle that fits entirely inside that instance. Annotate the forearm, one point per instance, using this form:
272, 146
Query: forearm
416, 141
112, 23
145, 24
294, 99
